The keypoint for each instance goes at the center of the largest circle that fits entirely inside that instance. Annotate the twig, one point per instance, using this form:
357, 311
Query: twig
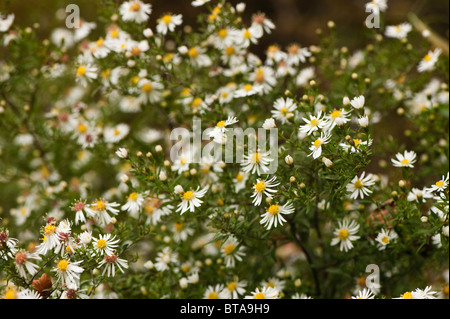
435, 39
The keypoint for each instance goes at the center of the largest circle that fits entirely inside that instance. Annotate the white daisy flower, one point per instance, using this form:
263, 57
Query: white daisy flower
418, 195
233, 289
345, 234
213, 292
100, 211
181, 232
134, 203
358, 102
168, 22
199, 3
264, 76
404, 160
68, 272
6, 22
248, 90
28, 294
426, 293
239, 181
232, 251
264, 293
284, 109
273, 215
198, 57
364, 294
24, 265
122, 153
155, 209
399, 31
151, 91
429, 61
191, 199
304, 76
105, 245
263, 187
385, 237
359, 186
337, 117
248, 36
440, 185
116, 133
135, 11
111, 262
256, 162
376, 6
260, 21
316, 147
218, 132
296, 54
313, 124
50, 238
165, 259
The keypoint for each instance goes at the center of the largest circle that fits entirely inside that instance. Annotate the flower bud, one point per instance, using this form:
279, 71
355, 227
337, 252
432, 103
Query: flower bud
289, 160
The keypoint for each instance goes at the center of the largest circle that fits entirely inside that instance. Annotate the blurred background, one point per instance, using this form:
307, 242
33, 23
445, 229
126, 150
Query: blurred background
296, 20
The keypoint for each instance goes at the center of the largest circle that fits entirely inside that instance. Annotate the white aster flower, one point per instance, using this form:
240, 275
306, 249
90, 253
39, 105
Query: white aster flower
218, 132
256, 162
385, 237
264, 293
376, 6
199, 3
316, 146
111, 262
284, 109
404, 160
165, 259
364, 294
358, 102
399, 31
314, 123
429, 61
263, 187
68, 272
233, 289
232, 251
168, 22
273, 215
359, 186
105, 244
135, 11
345, 234
191, 199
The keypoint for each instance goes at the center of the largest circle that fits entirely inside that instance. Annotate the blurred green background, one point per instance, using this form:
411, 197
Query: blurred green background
296, 20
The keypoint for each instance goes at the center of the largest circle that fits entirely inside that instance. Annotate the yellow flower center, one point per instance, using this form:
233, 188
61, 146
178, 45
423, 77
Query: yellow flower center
427, 57
260, 186
343, 234
213, 295
407, 295
239, 177
229, 249
101, 244
274, 209
223, 33
82, 128
270, 284
197, 102
221, 124
135, 7
49, 229
133, 196
336, 113
247, 34
356, 141
189, 195
358, 184
99, 205
193, 53
405, 161
183, 160
179, 227
259, 76
10, 294
147, 87
167, 19
314, 122
440, 184
230, 51
248, 87
317, 143
116, 132
232, 286
385, 239
284, 111
260, 295
62, 265
256, 158
81, 71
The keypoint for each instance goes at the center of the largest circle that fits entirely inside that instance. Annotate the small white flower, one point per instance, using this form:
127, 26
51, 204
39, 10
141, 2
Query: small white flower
232, 251
359, 185
263, 187
122, 153
256, 162
191, 199
364, 294
358, 102
404, 160
273, 215
345, 234
316, 147
264, 293
385, 237
429, 61
168, 22
399, 31
284, 109
68, 272
135, 11
313, 124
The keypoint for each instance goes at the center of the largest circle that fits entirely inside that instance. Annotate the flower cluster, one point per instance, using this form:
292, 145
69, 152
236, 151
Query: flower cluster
354, 170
